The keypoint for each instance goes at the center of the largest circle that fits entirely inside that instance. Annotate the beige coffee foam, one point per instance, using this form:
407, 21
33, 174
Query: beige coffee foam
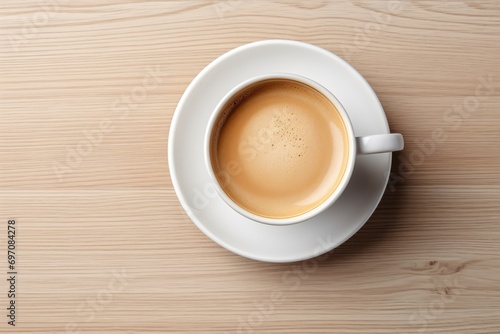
280, 149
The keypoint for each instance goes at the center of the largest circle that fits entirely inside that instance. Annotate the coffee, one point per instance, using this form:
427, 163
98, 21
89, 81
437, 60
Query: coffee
279, 148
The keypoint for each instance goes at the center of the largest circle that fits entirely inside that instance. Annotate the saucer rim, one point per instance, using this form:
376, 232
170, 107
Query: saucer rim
173, 173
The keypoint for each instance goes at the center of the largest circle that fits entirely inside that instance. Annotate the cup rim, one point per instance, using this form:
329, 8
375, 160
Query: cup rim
333, 196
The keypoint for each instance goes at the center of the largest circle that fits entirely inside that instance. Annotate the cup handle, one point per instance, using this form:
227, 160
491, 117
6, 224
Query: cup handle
380, 143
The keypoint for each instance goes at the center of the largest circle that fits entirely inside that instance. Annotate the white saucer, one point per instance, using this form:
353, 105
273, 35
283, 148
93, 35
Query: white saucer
221, 223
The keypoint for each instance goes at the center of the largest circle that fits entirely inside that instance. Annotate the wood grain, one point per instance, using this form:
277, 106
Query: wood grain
103, 244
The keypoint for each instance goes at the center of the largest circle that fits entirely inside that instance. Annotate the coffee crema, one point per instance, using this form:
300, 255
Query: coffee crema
279, 148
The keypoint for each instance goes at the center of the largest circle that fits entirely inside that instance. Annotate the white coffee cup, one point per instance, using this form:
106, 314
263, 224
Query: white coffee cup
373, 144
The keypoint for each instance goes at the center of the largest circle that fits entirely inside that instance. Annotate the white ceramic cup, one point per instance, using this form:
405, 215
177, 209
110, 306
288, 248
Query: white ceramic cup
378, 143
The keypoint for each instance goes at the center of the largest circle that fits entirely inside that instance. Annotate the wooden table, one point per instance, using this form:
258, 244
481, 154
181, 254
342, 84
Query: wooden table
87, 93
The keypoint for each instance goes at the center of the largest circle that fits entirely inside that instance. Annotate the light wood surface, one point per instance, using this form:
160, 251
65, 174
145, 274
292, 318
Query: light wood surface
103, 245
